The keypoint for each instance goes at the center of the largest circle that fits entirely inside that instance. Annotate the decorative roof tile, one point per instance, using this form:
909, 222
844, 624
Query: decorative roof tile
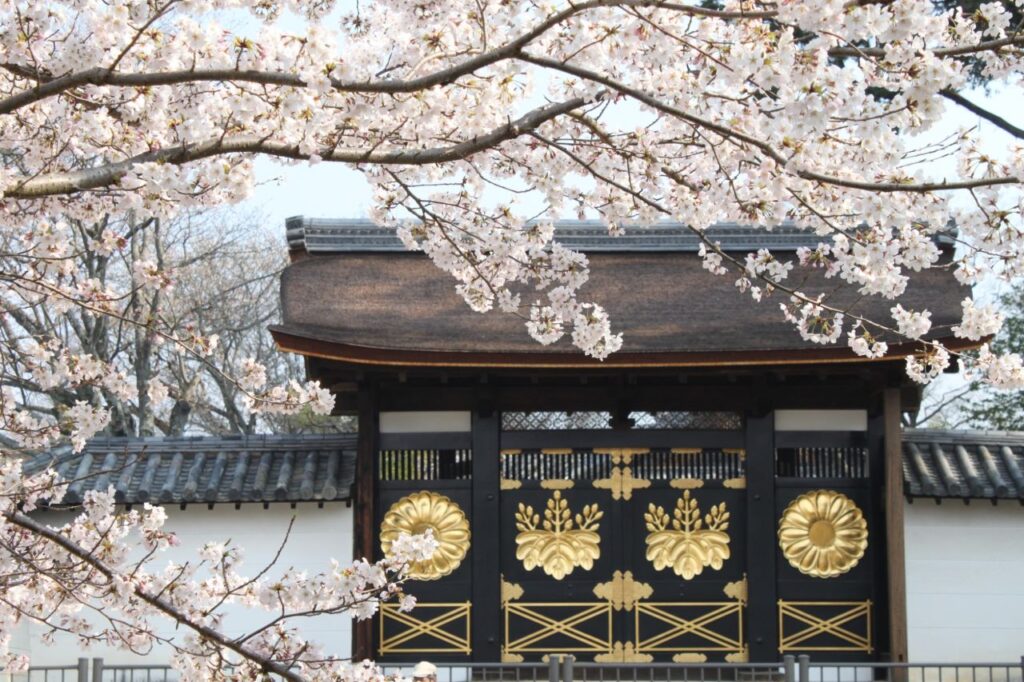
359, 235
209, 470
963, 464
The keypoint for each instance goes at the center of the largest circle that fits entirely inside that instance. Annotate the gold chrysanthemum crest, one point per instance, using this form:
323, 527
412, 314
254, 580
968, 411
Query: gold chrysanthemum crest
561, 542
423, 511
823, 534
685, 542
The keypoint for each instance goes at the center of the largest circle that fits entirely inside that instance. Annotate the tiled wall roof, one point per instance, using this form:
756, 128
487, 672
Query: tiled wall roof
207, 470
964, 464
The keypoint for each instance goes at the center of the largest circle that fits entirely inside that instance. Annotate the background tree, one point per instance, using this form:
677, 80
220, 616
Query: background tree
1002, 410
219, 272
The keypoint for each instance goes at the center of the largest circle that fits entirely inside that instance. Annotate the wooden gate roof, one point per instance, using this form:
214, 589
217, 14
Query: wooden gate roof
353, 294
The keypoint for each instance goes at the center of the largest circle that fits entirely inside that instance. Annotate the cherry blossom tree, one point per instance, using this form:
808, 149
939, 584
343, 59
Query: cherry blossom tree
478, 123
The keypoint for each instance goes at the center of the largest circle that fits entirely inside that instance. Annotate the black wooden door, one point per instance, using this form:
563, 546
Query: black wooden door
827, 557
624, 553
420, 489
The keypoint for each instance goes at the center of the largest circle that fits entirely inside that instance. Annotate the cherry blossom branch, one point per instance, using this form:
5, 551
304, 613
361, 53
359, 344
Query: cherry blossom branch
766, 148
995, 45
739, 266
160, 604
109, 174
99, 76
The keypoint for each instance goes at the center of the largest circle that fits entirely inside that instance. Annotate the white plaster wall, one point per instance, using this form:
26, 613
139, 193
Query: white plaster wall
821, 420
965, 581
318, 536
425, 422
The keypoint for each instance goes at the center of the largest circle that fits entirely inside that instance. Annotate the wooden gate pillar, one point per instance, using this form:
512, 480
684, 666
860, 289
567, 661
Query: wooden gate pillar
896, 559
762, 629
486, 538
364, 529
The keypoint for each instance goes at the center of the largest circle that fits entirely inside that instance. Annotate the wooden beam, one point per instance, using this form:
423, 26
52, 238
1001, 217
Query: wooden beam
486, 546
364, 527
894, 527
840, 394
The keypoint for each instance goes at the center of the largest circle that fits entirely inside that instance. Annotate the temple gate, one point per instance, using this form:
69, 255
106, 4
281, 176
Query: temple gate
718, 490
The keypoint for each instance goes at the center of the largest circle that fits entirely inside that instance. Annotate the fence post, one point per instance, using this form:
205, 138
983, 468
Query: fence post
97, 669
805, 667
789, 668
567, 661
552, 668
83, 670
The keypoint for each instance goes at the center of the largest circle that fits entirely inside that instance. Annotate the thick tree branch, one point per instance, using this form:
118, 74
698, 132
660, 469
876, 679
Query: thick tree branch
995, 119
48, 86
110, 174
994, 45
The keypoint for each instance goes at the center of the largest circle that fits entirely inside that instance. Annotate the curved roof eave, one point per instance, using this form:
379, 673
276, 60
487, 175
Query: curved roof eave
309, 345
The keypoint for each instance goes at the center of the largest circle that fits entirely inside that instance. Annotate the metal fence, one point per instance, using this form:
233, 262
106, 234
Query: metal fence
59, 673
564, 668
95, 670
813, 671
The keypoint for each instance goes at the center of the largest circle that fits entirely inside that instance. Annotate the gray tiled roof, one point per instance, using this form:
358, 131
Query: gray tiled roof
316, 468
963, 464
208, 470
336, 235
329, 235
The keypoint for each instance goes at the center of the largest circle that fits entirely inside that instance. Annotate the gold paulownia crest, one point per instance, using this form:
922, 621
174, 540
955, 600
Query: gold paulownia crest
423, 511
690, 544
823, 534
560, 542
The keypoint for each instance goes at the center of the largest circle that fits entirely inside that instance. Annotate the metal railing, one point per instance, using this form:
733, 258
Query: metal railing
484, 672
97, 671
814, 671
57, 673
565, 668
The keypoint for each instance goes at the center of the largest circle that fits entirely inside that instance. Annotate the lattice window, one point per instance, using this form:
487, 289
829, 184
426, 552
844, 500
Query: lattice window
424, 465
555, 421
688, 421
821, 463
575, 421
